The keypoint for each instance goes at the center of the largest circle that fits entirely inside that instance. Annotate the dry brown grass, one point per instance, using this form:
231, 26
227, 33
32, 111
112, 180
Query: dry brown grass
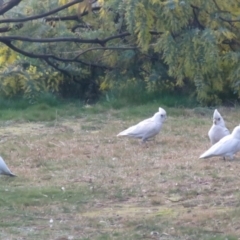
162, 191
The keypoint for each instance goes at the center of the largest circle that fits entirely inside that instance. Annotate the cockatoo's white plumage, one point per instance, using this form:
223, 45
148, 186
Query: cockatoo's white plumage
4, 170
146, 128
226, 147
218, 129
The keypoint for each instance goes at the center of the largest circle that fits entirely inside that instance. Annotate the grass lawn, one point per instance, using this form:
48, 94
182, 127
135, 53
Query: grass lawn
77, 180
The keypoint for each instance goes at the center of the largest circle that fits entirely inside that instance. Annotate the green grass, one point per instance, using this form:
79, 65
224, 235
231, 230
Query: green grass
51, 108
45, 195
13, 198
21, 207
75, 178
136, 98
19, 103
38, 111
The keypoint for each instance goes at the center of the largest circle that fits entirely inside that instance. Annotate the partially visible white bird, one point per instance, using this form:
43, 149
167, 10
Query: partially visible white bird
226, 147
146, 128
218, 129
4, 170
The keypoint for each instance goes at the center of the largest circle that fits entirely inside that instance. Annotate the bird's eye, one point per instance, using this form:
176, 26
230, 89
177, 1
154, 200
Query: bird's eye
162, 115
219, 119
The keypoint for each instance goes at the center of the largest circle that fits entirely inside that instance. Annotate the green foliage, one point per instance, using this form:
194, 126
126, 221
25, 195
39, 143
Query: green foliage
190, 45
30, 81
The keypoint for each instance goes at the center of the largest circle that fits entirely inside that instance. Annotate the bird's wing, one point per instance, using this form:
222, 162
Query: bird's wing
224, 146
211, 134
223, 131
139, 130
217, 132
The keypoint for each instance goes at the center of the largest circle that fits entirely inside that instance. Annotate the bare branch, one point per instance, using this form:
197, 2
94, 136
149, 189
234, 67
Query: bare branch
155, 33
124, 34
31, 55
47, 40
104, 49
229, 20
47, 56
9, 5
194, 9
63, 39
7, 29
56, 67
10, 20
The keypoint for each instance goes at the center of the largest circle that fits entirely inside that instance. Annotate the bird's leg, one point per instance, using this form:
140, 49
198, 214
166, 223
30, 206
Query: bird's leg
144, 143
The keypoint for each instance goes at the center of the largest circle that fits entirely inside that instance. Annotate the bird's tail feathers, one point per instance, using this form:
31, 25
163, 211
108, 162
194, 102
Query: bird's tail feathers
204, 155
10, 174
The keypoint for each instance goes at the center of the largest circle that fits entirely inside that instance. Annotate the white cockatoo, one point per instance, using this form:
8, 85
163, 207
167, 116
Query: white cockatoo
146, 128
226, 147
218, 129
4, 170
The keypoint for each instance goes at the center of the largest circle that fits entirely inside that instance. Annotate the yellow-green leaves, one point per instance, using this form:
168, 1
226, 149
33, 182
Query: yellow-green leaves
7, 56
29, 82
161, 44
145, 15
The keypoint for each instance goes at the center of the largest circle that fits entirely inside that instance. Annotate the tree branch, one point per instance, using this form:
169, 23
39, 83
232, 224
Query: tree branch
104, 49
155, 33
47, 56
228, 20
48, 40
63, 39
10, 20
56, 67
9, 5
124, 34
7, 29
196, 18
31, 55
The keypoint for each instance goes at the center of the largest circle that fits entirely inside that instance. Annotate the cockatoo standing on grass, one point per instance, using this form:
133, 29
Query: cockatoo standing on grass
218, 129
147, 128
226, 147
